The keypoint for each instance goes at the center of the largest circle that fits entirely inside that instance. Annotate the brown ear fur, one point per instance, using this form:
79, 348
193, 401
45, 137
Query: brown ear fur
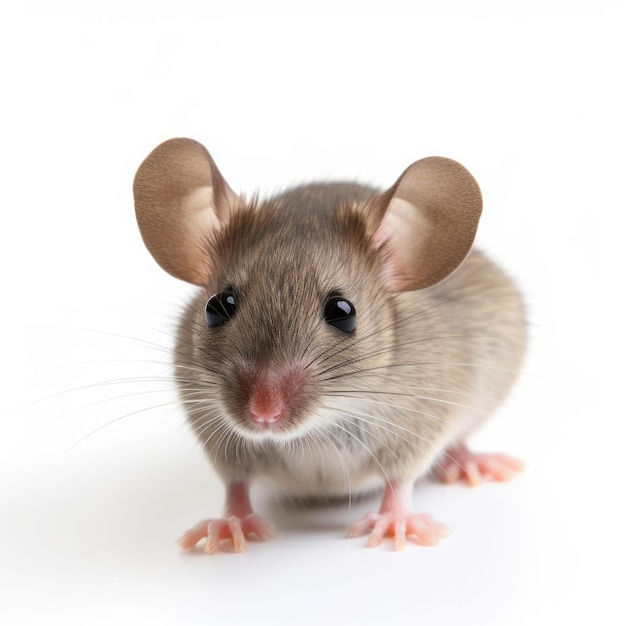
180, 197
427, 221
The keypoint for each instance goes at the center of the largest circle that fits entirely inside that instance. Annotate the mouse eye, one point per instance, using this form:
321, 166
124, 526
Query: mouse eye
220, 307
340, 313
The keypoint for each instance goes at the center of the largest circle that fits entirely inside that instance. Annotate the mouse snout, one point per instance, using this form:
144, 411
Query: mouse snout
267, 403
275, 396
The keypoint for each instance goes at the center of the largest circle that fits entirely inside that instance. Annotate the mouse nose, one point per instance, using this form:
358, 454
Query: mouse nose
267, 403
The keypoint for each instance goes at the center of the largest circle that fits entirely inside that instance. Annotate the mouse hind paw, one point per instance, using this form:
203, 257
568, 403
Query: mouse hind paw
459, 463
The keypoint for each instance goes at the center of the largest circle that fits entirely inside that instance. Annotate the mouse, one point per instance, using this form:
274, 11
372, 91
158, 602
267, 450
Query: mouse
343, 338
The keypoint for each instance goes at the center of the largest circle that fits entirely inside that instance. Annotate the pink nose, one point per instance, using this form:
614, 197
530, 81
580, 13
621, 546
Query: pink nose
267, 404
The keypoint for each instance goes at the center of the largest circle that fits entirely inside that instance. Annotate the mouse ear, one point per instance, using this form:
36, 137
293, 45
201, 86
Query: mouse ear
180, 198
427, 221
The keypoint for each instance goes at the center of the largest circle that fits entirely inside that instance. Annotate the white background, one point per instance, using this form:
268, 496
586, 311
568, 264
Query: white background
529, 96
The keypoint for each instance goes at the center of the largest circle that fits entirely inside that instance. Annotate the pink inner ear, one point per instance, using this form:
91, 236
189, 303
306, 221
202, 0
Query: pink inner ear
180, 195
391, 268
381, 236
429, 219
401, 229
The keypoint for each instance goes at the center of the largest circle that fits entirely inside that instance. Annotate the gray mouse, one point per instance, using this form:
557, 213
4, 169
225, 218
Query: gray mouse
343, 338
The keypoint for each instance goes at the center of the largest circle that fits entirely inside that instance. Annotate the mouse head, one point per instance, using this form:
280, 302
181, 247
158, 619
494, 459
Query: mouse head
426, 221
285, 278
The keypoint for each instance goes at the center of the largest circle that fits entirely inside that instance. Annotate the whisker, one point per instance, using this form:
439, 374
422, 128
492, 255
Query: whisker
411, 410
378, 420
372, 455
389, 349
358, 393
460, 393
386, 367
398, 322
107, 424
327, 437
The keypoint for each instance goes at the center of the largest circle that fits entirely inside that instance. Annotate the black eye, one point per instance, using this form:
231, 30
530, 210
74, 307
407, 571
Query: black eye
220, 307
340, 313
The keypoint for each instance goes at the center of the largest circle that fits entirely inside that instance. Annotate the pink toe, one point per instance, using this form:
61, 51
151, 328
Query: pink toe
236, 533
426, 530
399, 540
358, 529
191, 537
473, 475
378, 532
254, 525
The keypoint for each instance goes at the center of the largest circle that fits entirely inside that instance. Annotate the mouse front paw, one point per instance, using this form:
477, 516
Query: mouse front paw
233, 528
418, 527
395, 520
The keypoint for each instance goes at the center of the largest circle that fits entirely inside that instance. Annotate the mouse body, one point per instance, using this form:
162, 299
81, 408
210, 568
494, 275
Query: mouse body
342, 337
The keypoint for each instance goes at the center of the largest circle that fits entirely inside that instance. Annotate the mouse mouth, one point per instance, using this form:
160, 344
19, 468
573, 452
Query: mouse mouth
270, 413
281, 429
271, 418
